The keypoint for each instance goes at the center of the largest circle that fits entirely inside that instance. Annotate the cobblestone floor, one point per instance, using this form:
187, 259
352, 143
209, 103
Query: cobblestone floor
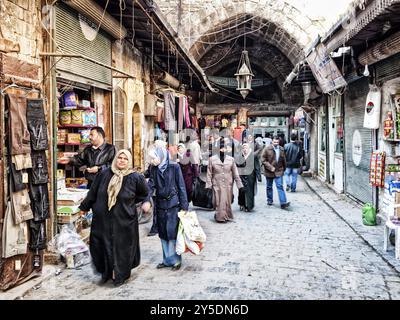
306, 252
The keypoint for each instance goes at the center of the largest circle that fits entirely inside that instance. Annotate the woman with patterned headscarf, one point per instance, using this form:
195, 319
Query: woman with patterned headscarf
114, 234
167, 184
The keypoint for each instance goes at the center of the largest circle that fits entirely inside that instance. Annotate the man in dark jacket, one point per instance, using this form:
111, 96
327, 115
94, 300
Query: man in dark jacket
96, 157
293, 156
274, 164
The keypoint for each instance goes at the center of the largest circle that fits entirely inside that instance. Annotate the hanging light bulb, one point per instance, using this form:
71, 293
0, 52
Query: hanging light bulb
366, 71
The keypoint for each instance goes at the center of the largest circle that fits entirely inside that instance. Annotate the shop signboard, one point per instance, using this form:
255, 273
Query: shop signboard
325, 69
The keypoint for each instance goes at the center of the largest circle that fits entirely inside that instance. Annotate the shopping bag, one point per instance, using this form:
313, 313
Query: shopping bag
369, 215
202, 197
184, 244
180, 246
191, 226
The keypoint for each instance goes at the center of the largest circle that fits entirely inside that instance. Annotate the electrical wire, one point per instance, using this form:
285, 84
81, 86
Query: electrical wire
230, 39
214, 64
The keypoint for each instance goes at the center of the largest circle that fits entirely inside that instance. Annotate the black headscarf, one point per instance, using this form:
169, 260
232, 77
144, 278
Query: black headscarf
222, 153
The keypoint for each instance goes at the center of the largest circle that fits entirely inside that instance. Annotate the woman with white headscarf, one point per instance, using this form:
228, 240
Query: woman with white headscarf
167, 184
114, 234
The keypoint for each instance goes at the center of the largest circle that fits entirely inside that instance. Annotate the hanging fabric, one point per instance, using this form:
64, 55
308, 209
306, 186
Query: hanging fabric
14, 236
22, 161
39, 172
187, 115
180, 113
40, 203
21, 205
20, 137
37, 124
169, 110
37, 235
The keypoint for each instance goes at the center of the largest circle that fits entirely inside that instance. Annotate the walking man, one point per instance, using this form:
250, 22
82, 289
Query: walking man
274, 164
293, 156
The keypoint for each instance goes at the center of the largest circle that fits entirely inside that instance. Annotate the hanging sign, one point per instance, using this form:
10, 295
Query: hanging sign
325, 69
372, 108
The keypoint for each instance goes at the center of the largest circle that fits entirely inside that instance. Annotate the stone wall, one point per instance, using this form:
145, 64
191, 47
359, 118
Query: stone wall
137, 134
20, 23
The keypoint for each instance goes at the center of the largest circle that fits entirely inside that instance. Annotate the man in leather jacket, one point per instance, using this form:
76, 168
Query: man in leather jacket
293, 156
96, 157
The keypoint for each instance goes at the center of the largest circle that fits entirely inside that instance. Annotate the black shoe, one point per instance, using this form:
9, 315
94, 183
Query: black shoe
176, 267
293, 191
241, 208
162, 265
119, 283
287, 189
269, 203
150, 234
284, 206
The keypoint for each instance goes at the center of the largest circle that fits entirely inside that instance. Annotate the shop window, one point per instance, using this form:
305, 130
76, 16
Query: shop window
119, 118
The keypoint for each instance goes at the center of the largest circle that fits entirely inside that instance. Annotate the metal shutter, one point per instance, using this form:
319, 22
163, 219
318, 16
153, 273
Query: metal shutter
70, 39
389, 68
357, 177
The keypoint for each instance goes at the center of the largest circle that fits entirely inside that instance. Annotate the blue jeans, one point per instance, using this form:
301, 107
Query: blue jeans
170, 258
279, 187
291, 172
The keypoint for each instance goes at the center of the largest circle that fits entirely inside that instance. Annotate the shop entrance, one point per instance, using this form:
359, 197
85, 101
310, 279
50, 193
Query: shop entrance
276, 126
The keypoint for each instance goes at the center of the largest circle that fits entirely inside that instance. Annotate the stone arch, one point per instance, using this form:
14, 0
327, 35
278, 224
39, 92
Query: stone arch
280, 13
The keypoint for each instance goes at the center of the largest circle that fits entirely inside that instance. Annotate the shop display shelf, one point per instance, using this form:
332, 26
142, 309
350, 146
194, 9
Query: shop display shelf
73, 144
65, 126
392, 140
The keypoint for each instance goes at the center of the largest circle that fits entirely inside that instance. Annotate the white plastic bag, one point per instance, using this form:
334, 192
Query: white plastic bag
72, 248
191, 226
180, 241
184, 244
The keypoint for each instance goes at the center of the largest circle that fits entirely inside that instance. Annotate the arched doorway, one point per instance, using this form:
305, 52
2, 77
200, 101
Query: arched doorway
137, 136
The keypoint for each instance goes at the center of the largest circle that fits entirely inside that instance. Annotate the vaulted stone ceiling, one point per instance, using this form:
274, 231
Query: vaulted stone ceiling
277, 32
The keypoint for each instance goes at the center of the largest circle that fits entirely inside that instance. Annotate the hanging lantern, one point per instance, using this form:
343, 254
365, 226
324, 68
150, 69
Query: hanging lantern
244, 75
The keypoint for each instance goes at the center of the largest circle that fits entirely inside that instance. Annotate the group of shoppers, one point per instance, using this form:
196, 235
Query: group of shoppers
116, 189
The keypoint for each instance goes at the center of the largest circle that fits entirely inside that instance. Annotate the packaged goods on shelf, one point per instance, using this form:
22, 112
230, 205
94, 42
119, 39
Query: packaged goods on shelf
85, 133
85, 104
74, 138
62, 136
65, 117
77, 117
78, 183
89, 118
70, 100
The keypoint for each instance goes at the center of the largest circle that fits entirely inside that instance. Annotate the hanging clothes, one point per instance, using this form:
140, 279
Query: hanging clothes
169, 111
39, 172
187, 116
40, 203
202, 123
21, 205
37, 124
38, 237
14, 236
20, 137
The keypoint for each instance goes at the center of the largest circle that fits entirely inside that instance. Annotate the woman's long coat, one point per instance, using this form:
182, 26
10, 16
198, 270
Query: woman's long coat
114, 234
170, 197
249, 172
220, 176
